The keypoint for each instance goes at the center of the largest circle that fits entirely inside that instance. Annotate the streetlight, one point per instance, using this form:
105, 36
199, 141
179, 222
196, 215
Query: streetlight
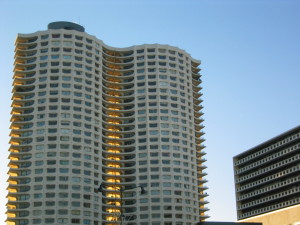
121, 190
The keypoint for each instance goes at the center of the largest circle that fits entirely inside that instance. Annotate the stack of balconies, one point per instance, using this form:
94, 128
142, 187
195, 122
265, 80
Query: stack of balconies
118, 135
21, 131
196, 81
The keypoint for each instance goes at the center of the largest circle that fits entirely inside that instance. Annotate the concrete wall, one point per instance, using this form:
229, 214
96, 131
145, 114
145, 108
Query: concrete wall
287, 216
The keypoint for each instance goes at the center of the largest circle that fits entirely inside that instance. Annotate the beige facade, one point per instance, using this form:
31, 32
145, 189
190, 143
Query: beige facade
287, 216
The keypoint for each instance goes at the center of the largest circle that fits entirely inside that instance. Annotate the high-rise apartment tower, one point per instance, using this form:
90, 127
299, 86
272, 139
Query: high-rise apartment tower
104, 135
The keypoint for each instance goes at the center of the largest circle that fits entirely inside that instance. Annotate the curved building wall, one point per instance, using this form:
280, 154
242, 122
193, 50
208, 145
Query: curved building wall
86, 115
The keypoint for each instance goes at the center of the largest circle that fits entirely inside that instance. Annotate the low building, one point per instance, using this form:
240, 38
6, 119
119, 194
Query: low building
227, 223
267, 181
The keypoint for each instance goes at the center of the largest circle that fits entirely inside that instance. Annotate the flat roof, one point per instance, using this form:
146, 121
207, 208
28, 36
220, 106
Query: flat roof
270, 141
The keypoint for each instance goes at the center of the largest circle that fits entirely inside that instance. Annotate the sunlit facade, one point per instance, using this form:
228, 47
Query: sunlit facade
85, 114
267, 181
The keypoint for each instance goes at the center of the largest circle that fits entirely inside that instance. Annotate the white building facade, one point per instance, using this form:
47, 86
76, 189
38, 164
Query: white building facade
86, 115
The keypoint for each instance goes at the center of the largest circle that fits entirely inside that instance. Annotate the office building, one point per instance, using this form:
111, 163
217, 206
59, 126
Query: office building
267, 181
102, 134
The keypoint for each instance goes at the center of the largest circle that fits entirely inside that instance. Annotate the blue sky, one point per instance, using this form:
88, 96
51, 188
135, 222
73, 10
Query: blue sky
250, 53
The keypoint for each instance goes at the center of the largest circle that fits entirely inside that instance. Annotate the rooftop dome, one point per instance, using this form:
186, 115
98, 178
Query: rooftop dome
65, 25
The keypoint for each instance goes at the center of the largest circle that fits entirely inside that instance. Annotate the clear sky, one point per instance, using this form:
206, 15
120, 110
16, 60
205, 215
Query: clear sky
250, 53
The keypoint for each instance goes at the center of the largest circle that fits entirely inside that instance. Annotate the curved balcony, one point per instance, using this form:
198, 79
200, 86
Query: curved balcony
18, 82
202, 181
109, 165
197, 123
121, 179
21, 63
196, 88
23, 89
118, 149
19, 165
196, 76
117, 156
17, 150
122, 171
198, 113
22, 119
19, 156
124, 182
117, 85
197, 101
201, 167
202, 188
22, 106
114, 118
13, 207
16, 221
18, 214
22, 97
115, 203
22, 111
197, 108
195, 69
117, 66
121, 145
199, 141
112, 218
15, 142
24, 40
20, 190
23, 82
197, 95
117, 120
117, 79
22, 59
117, 60
195, 64
117, 73
24, 67
25, 47
200, 176
118, 92
111, 135
117, 54
24, 75
18, 182
117, 129
115, 105
196, 82
113, 98
20, 197
203, 194
17, 173
199, 127
126, 113
25, 53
